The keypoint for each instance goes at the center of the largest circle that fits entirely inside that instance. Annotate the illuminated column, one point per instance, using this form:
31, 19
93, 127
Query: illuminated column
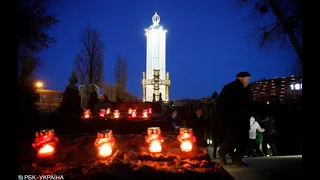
155, 58
143, 86
167, 87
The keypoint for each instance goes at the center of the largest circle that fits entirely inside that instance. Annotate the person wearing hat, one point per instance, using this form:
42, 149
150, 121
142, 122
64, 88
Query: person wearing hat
199, 125
234, 107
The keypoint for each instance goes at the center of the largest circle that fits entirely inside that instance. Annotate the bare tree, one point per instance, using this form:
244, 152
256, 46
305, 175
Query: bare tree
121, 76
287, 26
89, 61
120, 71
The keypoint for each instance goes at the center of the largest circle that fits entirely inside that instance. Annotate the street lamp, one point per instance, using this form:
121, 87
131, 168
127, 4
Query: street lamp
39, 85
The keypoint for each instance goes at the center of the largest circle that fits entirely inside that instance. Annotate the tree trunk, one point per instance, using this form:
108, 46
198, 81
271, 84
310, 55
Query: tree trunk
288, 29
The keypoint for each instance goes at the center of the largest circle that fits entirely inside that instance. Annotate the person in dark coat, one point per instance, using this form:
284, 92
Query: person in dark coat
269, 136
173, 120
234, 107
199, 125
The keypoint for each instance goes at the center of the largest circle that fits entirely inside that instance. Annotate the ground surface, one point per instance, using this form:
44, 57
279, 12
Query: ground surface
268, 168
265, 168
76, 159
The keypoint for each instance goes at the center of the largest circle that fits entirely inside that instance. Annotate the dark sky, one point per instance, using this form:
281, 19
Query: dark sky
207, 43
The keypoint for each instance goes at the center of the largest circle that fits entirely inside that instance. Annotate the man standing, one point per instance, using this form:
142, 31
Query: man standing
173, 121
234, 106
199, 125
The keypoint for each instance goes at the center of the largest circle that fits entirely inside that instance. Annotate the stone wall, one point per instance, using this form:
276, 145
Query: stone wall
85, 91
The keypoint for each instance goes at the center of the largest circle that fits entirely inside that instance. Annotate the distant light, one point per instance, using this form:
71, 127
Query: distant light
39, 84
268, 102
296, 86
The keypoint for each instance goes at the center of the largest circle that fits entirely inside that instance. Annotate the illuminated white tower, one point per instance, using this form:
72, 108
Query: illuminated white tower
155, 80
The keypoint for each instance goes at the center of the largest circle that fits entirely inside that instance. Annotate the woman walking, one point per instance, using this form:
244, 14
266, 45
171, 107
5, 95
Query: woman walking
259, 141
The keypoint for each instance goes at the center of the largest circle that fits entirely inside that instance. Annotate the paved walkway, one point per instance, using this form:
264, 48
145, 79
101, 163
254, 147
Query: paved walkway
266, 168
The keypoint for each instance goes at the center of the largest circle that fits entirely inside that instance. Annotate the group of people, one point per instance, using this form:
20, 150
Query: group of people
237, 129
197, 123
261, 134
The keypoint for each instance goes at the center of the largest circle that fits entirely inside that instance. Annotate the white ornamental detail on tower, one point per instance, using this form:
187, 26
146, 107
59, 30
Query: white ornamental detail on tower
155, 81
155, 19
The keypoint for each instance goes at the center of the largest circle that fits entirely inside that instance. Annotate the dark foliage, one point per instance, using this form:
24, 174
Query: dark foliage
214, 95
33, 26
71, 100
27, 112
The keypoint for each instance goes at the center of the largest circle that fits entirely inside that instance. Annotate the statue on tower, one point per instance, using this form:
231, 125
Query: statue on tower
160, 98
155, 19
154, 97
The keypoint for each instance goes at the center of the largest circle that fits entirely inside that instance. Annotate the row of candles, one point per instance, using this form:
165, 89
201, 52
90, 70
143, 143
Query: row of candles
116, 113
45, 142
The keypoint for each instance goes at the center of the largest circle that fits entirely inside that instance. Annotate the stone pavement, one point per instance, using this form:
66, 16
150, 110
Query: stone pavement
266, 168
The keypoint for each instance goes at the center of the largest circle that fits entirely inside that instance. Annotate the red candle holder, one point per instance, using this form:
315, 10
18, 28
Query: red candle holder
102, 113
108, 111
186, 139
87, 114
145, 114
154, 139
116, 114
45, 143
104, 143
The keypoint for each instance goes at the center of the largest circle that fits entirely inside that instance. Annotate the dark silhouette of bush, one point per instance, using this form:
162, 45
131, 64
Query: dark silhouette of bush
214, 95
71, 100
27, 112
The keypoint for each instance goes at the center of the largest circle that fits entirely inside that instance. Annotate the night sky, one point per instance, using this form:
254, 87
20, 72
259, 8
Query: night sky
207, 43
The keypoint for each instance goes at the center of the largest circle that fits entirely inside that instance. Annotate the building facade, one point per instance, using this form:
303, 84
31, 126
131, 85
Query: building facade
283, 88
155, 81
49, 99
